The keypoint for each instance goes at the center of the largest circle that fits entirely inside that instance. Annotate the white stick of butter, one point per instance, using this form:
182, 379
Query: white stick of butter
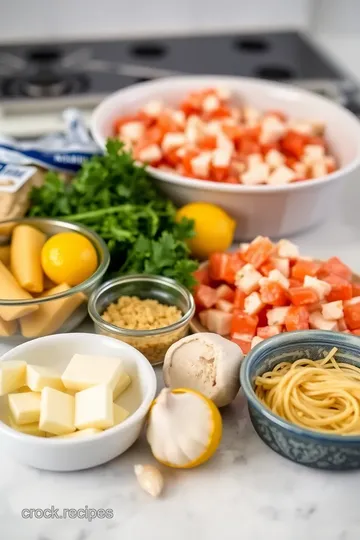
84, 371
25, 407
94, 408
57, 412
120, 414
122, 384
81, 433
38, 377
12, 376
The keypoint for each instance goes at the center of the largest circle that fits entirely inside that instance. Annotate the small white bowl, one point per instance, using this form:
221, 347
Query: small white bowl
76, 454
275, 211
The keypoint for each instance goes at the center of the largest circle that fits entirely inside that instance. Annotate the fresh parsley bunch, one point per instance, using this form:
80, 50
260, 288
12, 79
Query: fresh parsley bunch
118, 200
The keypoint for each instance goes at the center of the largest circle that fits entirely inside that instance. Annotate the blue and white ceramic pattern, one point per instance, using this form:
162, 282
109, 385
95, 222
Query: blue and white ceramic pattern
319, 450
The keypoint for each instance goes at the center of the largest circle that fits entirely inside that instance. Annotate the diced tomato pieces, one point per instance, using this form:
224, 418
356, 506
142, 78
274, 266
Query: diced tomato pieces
244, 342
258, 251
297, 318
304, 268
273, 293
301, 296
341, 289
269, 331
225, 292
202, 276
224, 305
294, 143
355, 289
335, 266
239, 299
219, 322
242, 323
205, 296
207, 142
352, 316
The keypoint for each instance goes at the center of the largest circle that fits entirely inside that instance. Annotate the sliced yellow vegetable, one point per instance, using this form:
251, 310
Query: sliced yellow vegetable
51, 315
26, 246
11, 290
5, 255
7, 328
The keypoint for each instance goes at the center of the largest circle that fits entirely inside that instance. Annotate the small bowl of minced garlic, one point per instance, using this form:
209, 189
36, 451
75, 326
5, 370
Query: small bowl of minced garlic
148, 312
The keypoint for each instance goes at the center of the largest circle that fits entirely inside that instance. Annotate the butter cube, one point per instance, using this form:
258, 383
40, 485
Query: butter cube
28, 429
94, 408
25, 407
56, 412
122, 385
23, 389
120, 414
84, 371
81, 433
12, 376
38, 377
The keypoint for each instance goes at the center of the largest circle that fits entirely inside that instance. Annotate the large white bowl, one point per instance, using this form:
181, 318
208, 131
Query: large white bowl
275, 211
76, 454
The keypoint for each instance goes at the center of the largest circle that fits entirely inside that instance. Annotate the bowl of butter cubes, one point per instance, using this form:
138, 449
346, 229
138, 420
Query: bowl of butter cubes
73, 401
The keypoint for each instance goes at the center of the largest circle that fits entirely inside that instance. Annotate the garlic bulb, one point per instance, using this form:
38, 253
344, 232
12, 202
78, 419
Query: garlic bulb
150, 479
207, 363
184, 428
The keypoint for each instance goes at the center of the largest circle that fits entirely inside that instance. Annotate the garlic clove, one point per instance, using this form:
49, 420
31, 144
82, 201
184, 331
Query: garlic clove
207, 363
150, 479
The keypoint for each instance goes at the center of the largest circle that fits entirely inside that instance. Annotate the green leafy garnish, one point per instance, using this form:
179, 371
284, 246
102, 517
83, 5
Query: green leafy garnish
118, 200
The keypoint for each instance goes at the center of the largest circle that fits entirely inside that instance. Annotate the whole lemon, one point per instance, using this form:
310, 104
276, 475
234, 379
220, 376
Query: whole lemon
214, 228
68, 257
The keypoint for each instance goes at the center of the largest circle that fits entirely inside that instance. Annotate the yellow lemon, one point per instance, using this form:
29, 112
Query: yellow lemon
214, 228
68, 257
184, 428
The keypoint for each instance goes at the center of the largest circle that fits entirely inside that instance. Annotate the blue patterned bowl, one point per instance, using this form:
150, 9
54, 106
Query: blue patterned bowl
318, 450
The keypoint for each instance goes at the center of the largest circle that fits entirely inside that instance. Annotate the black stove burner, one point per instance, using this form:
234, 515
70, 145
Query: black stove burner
45, 84
44, 55
251, 45
276, 73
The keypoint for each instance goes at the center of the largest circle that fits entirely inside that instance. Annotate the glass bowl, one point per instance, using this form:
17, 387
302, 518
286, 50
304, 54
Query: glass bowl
304, 446
65, 310
152, 343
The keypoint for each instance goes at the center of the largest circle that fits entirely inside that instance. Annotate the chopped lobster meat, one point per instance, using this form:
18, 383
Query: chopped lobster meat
243, 323
239, 299
277, 315
352, 315
225, 292
253, 304
225, 266
304, 268
301, 296
202, 276
297, 318
333, 310
355, 289
259, 251
287, 249
318, 322
205, 134
278, 277
273, 293
219, 322
205, 296
356, 332
243, 341
335, 266
322, 288
255, 341
224, 305
268, 331
281, 264
340, 288
248, 278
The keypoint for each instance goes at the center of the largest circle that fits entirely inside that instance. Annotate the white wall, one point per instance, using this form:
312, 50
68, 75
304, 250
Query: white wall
337, 17
24, 20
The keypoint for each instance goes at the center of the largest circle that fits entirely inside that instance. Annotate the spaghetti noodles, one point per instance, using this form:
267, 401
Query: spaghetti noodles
321, 395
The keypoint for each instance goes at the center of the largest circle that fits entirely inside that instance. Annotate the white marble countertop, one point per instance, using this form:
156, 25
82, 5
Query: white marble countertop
245, 491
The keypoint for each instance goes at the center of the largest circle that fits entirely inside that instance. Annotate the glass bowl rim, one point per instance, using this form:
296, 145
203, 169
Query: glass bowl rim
108, 285
95, 239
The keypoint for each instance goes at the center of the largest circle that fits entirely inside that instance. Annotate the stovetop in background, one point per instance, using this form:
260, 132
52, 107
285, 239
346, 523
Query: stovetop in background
41, 77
